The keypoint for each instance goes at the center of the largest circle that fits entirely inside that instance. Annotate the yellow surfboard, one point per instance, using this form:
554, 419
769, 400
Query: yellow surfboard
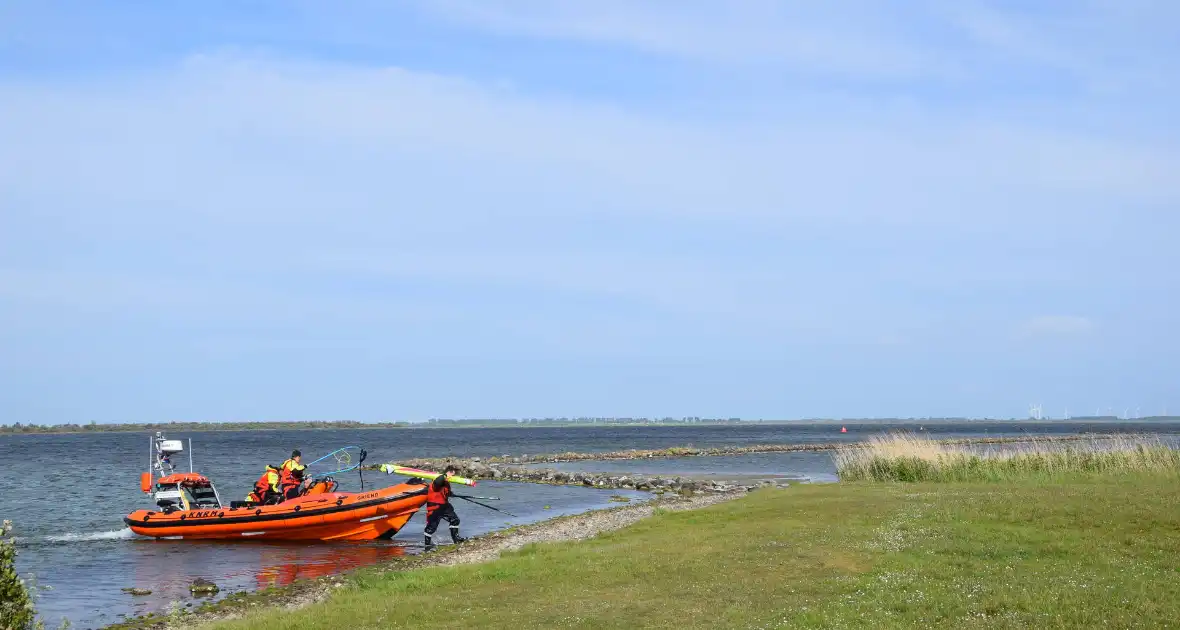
394, 469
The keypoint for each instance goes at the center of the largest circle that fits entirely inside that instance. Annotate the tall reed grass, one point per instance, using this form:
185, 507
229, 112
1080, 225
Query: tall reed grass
901, 456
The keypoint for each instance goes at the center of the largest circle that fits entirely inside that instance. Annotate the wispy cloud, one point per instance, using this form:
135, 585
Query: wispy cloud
347, 169
850, 40
394, 123
1101, 46
1057, 326
1090, 44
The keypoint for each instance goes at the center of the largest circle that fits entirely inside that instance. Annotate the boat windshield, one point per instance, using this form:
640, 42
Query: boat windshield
203, 496
197, 494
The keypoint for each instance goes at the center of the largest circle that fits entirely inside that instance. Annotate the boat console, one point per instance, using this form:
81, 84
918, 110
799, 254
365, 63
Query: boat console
173, 490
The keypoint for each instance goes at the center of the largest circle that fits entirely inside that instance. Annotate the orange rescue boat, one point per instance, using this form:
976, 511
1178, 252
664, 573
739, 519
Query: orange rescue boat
191, 508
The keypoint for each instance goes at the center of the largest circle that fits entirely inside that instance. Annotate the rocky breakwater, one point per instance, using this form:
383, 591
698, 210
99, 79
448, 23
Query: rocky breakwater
476, 468
691, 451
511, 467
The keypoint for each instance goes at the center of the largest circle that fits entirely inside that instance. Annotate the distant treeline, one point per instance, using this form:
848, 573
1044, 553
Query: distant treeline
445, 423
196, 426
692, 420
565, 421
348, 424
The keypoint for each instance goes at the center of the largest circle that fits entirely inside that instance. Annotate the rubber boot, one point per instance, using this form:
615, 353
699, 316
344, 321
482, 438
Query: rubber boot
455, 534
429, 543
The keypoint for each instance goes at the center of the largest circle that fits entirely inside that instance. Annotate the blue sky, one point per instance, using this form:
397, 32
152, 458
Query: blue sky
469, 208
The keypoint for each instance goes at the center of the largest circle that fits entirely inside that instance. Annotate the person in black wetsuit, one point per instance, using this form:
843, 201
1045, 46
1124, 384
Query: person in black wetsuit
438, 507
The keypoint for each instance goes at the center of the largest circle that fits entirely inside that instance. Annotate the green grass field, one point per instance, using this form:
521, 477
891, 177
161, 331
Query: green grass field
1089, 551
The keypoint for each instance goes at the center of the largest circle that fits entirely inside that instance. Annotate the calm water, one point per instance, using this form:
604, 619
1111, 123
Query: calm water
67, 495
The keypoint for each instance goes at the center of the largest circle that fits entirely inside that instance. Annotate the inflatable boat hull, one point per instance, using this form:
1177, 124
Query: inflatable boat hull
372, 515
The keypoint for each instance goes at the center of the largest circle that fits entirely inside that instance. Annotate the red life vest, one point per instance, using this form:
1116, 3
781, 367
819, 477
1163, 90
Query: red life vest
287, 476
436, 498
268, 481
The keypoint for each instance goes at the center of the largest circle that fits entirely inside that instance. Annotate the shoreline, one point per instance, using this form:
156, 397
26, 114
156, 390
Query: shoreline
674, 495
516, 468
720, 451
895, 554
328, 425
671, 491
484, 548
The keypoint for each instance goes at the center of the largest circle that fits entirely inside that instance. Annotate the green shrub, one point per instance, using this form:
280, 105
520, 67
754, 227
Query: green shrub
16, 605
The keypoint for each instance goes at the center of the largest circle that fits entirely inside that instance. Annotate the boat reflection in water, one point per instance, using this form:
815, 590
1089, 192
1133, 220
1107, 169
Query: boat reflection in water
282, 565
167, 568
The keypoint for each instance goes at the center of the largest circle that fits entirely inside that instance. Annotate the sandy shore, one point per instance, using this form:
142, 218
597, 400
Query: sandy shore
479, 549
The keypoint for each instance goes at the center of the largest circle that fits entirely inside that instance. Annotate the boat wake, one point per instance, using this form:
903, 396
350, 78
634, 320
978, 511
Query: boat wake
117, 534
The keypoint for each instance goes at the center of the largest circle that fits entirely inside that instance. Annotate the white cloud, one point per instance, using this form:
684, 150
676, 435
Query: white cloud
1095, 44
1057, 325
266, 132
144, 295
852, 40
1107, 46
253, 163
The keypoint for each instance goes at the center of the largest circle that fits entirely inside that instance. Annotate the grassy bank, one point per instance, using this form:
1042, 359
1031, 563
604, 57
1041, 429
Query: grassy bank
908, 457
1103, 550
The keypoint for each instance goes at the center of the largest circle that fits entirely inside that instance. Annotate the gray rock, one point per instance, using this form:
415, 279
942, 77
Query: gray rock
137, 591
201, 586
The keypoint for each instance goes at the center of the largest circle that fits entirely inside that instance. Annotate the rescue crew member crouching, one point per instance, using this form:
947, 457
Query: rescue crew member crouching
267, 489
291, 475
438, 507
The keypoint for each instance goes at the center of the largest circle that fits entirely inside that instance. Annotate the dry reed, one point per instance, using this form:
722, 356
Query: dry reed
901, 456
